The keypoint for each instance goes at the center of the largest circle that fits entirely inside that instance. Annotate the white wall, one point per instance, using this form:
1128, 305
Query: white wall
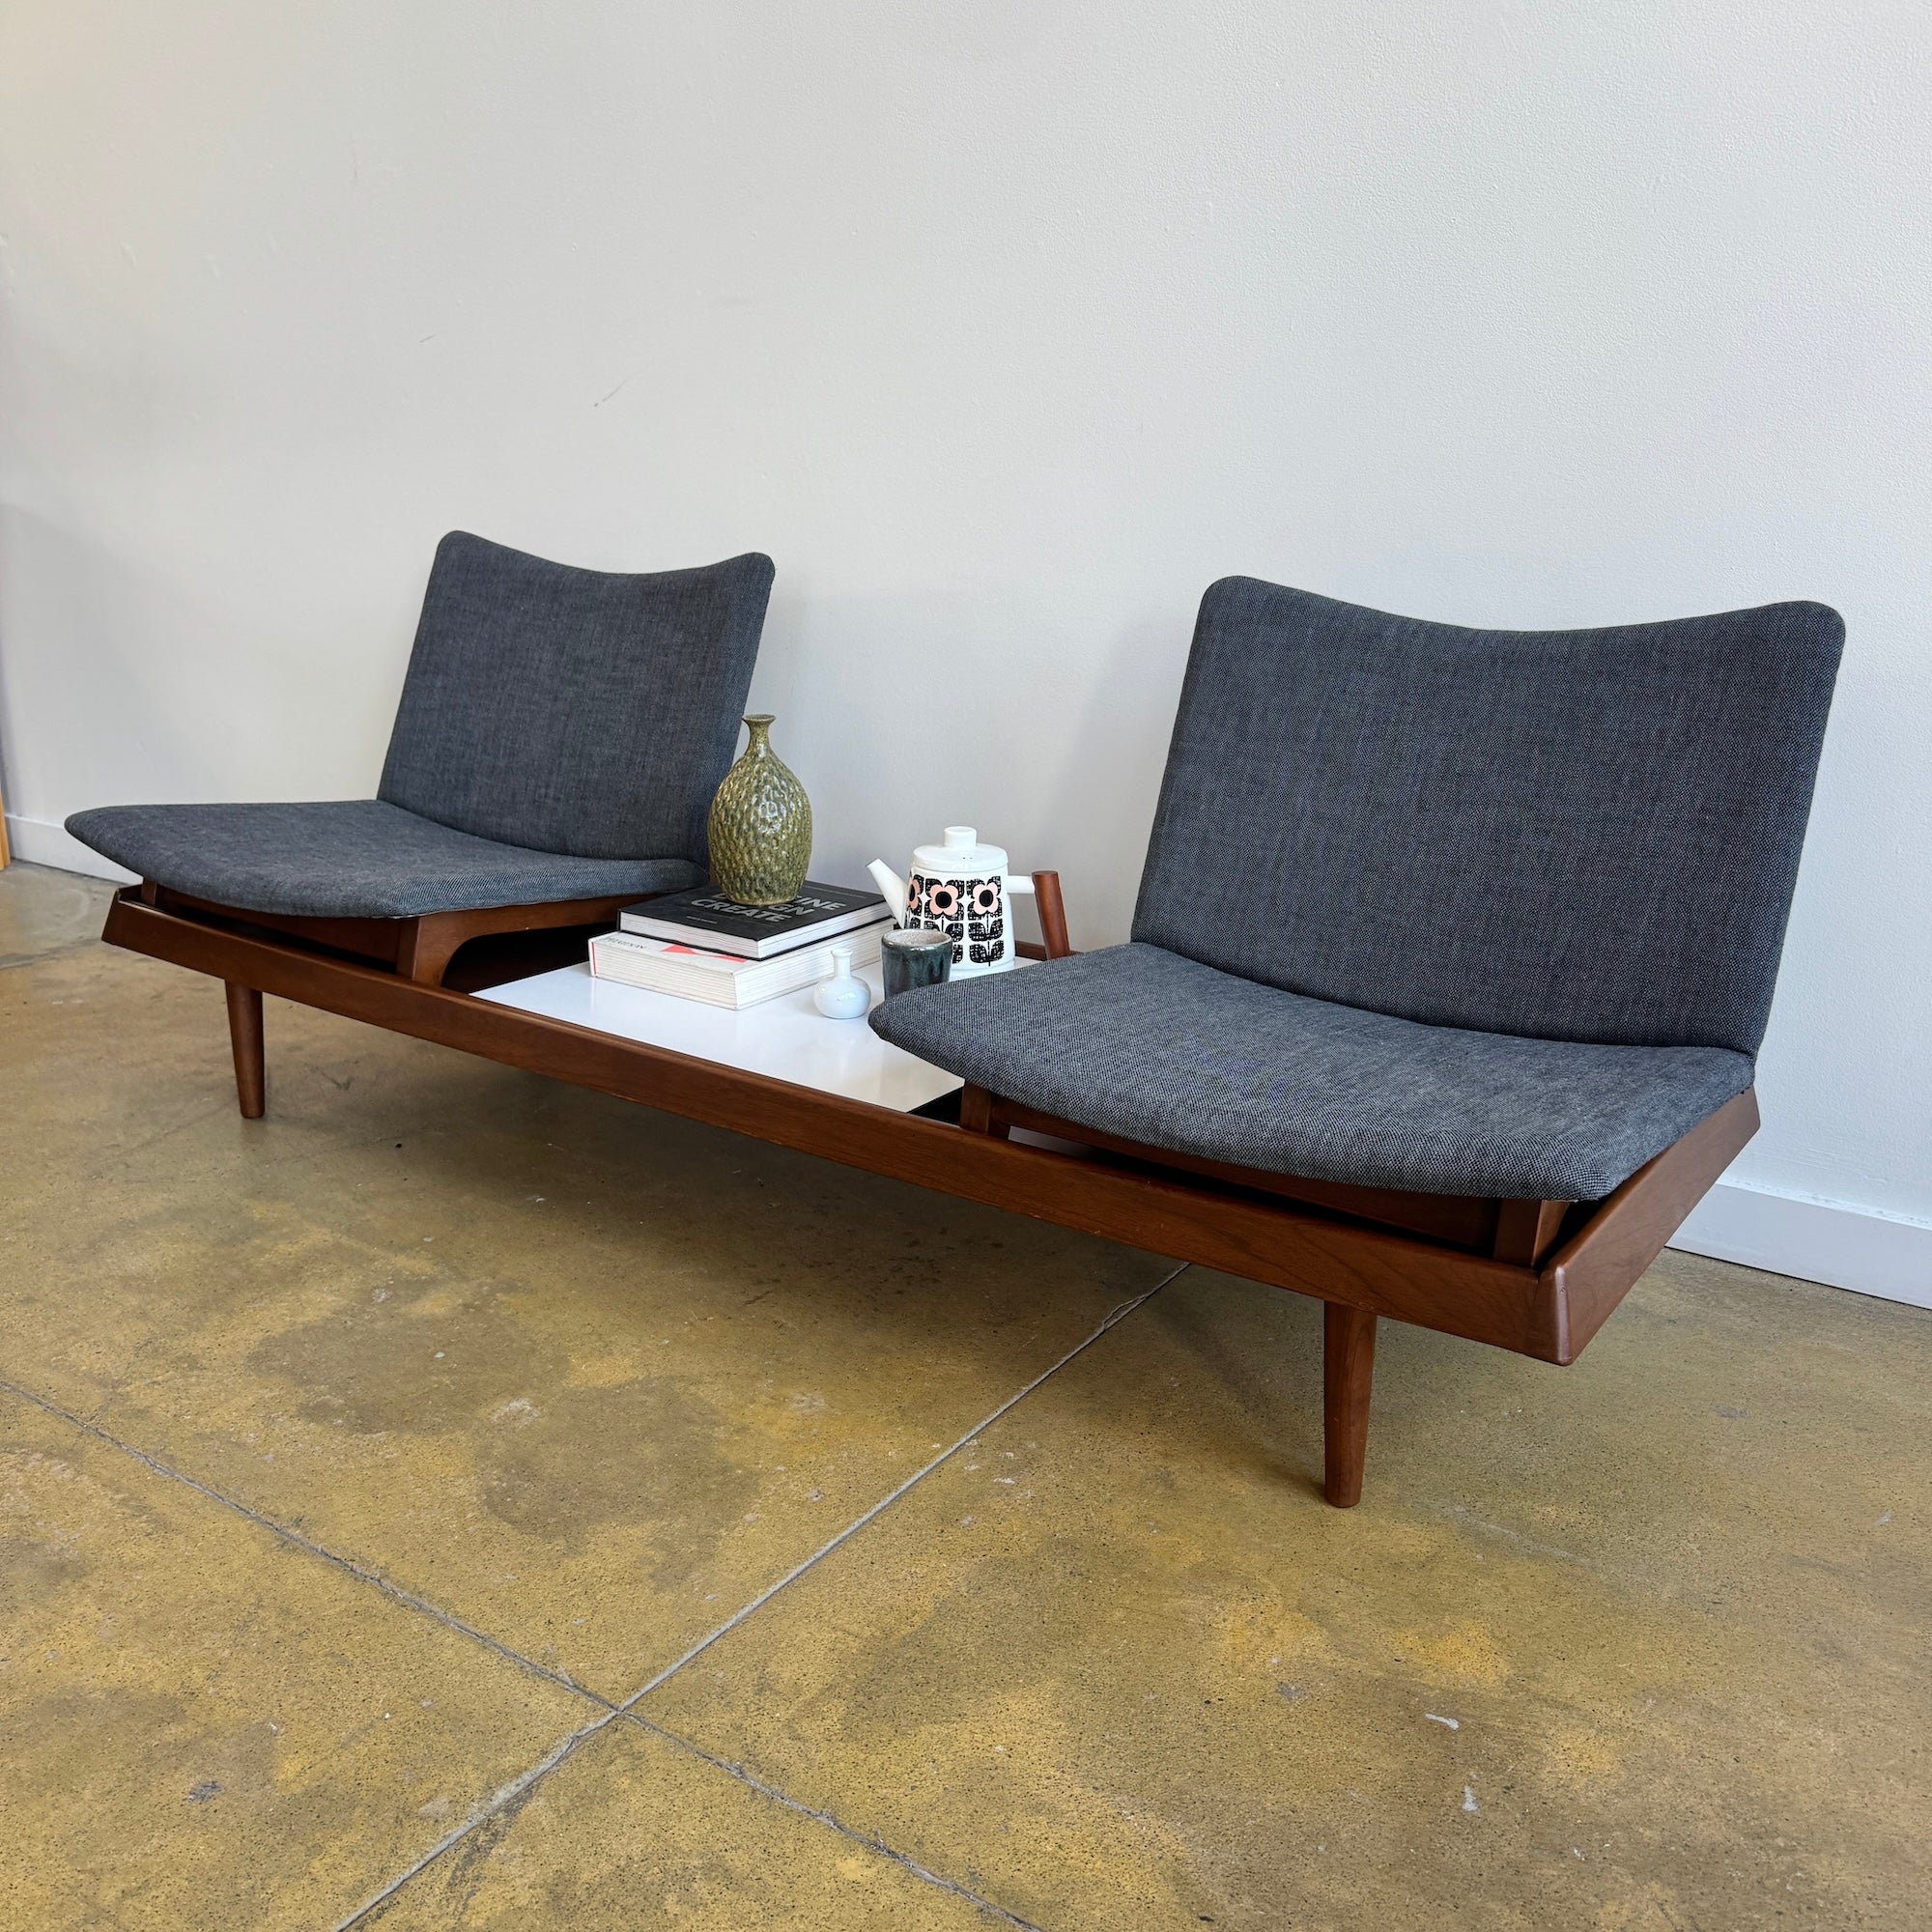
1005, 325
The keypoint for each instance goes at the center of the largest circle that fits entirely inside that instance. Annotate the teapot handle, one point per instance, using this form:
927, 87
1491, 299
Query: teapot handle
1017, 882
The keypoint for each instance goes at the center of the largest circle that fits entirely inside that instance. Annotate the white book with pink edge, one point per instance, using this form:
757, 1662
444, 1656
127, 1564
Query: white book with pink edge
723, 979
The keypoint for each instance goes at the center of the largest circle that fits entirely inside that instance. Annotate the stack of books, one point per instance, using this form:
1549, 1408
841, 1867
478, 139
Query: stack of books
700, 946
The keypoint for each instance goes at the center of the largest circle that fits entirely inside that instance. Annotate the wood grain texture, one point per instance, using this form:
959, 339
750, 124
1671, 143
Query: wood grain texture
438, 936
418, 949
1054, 943
976, 1112
1464, 1221
1593, 1271
1526, 1229
1347, 1375
1550, 1313
1171, 1214
245, 1040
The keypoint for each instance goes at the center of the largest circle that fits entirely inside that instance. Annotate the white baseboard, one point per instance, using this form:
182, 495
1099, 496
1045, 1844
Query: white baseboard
1817, 1240
39, 843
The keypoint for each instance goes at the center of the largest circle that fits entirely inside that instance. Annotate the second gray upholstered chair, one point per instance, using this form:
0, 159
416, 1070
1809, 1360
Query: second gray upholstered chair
1473, 912
1429, 912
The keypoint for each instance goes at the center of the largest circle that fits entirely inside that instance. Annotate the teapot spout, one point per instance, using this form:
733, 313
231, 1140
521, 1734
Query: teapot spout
891, 885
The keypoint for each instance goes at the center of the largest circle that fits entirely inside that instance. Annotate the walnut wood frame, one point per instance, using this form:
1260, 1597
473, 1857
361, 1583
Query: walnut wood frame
418, 949
1539, 1278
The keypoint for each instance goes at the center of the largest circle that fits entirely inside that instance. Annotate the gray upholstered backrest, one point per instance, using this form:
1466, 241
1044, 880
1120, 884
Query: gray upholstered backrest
1573, 834
574, 710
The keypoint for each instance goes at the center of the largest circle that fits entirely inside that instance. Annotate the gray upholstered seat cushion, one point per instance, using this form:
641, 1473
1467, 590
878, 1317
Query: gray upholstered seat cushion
352, 858
1142, 1044
1577, 834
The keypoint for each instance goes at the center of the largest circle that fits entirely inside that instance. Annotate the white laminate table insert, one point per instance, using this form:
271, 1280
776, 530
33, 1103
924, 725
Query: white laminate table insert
787, 1039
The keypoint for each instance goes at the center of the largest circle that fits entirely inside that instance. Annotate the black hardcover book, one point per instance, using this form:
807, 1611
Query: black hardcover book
704, 917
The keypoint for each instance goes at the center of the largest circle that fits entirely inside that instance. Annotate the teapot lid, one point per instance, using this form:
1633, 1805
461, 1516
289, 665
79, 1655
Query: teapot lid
962, 852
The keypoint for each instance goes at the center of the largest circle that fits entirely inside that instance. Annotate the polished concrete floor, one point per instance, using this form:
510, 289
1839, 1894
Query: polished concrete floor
459, 1500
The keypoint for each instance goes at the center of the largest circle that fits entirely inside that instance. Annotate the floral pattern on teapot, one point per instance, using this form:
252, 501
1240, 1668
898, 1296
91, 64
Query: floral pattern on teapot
971, 912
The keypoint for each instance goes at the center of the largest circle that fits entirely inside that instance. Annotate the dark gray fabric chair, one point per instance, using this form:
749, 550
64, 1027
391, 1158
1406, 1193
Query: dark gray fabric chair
1424, 908
560, 737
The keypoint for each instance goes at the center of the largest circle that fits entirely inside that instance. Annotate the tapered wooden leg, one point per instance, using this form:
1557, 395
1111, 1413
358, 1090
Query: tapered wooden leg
244, 1036
1347, 1368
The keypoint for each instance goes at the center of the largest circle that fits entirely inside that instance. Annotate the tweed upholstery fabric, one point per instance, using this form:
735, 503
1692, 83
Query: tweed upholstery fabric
1582, 835
575, 711
1142, 1043
350, 859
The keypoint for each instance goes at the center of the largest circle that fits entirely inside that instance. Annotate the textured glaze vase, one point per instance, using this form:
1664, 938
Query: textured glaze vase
760, 826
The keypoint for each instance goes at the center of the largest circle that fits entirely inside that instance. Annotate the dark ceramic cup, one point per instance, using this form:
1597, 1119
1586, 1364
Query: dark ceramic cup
911, 956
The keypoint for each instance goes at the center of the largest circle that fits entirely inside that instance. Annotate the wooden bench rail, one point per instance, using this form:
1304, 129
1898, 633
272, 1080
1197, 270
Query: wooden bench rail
1549, 1312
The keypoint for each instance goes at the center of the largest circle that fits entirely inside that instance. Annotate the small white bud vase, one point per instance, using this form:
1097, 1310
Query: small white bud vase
841, 995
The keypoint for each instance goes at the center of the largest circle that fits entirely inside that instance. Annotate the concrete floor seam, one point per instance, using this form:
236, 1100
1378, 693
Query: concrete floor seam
869, 1843
521, 1787
885, 1502
405, 1598
513, 1792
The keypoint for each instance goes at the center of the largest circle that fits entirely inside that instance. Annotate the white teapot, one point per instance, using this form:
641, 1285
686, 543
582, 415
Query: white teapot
961, 888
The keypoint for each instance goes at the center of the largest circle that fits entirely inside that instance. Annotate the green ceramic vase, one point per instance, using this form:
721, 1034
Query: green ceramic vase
760, 826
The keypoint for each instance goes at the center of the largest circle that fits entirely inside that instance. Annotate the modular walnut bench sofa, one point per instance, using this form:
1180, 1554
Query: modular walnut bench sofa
1453, 953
